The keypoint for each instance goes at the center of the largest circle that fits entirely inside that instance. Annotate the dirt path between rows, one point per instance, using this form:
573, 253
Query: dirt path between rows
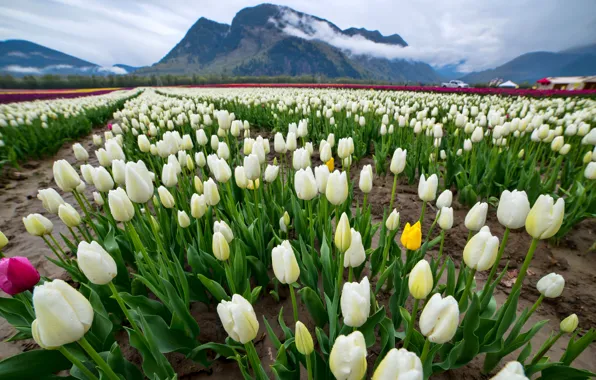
572, 258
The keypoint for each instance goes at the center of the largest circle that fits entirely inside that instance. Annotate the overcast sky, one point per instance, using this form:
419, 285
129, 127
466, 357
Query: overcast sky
485, 33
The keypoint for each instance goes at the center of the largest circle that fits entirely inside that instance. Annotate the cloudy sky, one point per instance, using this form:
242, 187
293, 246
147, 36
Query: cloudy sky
482, 33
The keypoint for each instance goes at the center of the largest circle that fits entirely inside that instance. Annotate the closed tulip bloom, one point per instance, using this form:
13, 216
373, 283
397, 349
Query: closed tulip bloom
511, 371
300, 159
165, 197
304, 342
321, 177
411, 237
214, 142
355, 255
291, 143
252, 168
87, 172
223, 151
444, 199
183, 219
63, 314
446, 218
248, 144
200, 159
513, 209
343, 234
355, 302
285, 266
392, 222
366, 179
399, 364
17, 274
545, 217
97, 264
420, 281
240, 177
238, 319
211, 192
201, 137
569, 324
80, 153
259, 150
119, 172
222, 226
439, 319
480, 252
198, 206
114, 150
102, 180
120, 205
398, 161
271, 173
427, 188
590, 171
38, 225
476, 217
65, 176
325, 153
50, 200
347, 360
97, 140
143, 143
103, 157
98, 199
343, 148
337, 188
3, 240
169, 176
551, 285
221, 249
279, 144
139, 184
69, 215
198, 185
305, 184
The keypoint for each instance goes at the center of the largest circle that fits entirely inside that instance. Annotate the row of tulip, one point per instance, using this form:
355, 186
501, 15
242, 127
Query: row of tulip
39, 128
179, 218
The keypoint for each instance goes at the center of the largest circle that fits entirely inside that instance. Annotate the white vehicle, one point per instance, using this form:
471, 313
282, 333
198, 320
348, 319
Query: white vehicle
455, 84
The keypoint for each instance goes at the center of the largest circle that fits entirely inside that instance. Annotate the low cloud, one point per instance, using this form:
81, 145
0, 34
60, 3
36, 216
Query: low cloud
21, 69
113, 69
309, 28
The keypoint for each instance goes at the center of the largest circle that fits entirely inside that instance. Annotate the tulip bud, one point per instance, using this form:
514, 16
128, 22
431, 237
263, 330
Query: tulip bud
305, 184
439, 319
3, 240
291, 143
63, 314
444, 199
211, 192
165, 197
50, 200
551, 285
279, 144
545, 217
65, 176
119, 172
427, 188
198, 207
355, 255
511, 371
97, 198
169, 176
398, 161
446, 218
347, 360
252, 167
214, 142
366, 179
399, 364
355, 302
513, 209
120, 205
285, 266
139, 184
476, 217
337, 188
304, 342
183, 219
102, 180
97, 264
201, 137
343, 235
143, 143
221, 249
392, 222
69, 215
97, 141
590, 171
420, 281
411, 237
238, 319
325, 152
80, 153
200, 159
38, 225
198, 185
271, 173
17, 274
480, 252
240, 177
569, 324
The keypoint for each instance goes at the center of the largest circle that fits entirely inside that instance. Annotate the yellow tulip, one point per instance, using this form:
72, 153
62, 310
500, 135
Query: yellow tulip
411, 238
330, 164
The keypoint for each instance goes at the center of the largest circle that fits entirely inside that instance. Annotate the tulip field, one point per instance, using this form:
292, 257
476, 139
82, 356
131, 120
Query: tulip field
300, 233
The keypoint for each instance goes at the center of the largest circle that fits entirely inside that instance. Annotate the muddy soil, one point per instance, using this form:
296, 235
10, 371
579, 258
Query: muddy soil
572, 259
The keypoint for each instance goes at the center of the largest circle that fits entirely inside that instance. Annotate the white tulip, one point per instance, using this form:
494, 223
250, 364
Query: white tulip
95, 263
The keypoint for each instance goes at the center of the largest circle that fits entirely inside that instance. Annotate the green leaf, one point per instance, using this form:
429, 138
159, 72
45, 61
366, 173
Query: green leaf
214, 288
368, 328
314, 305
220, 349
576, 347
33, 365
525, 353
259, 270
168, 339
272, 336
122, 366
179, 308
146, 305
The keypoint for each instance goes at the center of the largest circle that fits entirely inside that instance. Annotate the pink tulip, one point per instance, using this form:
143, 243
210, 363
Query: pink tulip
110, 126
17, 274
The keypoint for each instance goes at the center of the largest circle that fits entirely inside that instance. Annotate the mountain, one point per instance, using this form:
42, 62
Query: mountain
271, 40
530, 67
20, 57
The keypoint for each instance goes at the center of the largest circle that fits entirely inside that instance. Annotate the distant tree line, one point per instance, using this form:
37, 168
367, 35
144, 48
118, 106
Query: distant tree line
77, 81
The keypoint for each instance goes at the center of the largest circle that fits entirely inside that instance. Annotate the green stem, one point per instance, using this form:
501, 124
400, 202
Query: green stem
393, 192
493, 271
229, 276
53, 250
364, 202
253, 358
74, 236
425, 351
73, 359
351, 274
85, 233
469, 236
294, 307
136, 240
411, 324
385, 253
545, 348
123, 306
524, 269
309, 367
423, 211
464, 296
97, 359
77, 196
57, 245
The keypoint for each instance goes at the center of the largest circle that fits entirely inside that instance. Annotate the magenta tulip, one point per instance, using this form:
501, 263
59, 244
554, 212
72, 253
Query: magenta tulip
17, 274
